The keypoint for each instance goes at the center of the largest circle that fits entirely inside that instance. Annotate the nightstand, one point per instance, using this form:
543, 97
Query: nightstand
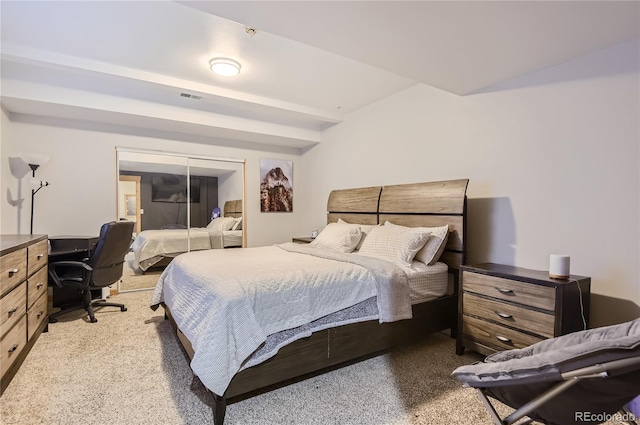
504, 307
302, 240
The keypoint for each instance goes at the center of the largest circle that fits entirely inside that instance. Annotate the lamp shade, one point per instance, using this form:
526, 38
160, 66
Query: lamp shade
35, 183
33, 158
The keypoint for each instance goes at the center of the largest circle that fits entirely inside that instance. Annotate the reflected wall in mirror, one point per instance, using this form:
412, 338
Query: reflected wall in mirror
172, 199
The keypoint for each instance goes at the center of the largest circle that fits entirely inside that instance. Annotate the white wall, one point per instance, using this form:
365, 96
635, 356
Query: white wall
82, 173
553, 161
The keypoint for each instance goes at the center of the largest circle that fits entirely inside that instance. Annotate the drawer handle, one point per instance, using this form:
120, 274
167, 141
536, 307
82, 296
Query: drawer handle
13, 310
503, 339
504, 315
13, 348
39, 256
39, 285
505, 291
40, 313
13, 271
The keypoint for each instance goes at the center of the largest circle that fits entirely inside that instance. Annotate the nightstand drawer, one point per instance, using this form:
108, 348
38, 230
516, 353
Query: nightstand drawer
12, 344
511, 290
13, 269
37, 285
13, 306
37, 256
515, 316
494, 335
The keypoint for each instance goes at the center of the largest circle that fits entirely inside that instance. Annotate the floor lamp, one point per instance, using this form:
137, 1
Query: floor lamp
34, 161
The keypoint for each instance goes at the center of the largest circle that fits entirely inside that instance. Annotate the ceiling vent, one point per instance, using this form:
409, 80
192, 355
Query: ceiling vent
191, 96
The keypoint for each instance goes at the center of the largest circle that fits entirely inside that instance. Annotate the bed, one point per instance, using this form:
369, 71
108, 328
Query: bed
396, 313
155, 248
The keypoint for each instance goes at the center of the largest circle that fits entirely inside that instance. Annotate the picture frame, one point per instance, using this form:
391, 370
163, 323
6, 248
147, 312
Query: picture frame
276, 185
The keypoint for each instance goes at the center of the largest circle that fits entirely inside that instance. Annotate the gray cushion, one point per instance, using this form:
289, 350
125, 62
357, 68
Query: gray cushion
546, 360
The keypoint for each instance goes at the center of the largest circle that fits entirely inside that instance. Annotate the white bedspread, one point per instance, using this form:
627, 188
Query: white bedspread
168, 242
228, 301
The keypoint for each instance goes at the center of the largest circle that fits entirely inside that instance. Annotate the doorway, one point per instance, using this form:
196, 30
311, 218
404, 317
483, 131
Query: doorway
129, 200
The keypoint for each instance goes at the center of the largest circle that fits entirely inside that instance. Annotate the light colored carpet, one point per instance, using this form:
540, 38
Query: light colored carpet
128, 368
136, 279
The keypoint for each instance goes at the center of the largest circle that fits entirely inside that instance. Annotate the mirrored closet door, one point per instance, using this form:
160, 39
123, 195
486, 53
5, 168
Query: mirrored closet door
180, 203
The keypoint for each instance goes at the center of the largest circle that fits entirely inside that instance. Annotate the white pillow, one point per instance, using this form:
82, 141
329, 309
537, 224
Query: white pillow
237, 223
364, 228
397, 244
433, 249
221, 223
340, 237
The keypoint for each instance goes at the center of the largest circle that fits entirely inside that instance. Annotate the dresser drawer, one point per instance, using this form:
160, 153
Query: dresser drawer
36, 314
494, 335
13, 306
37, 256
510, 290
37, 285
508, 314
13, 269
12, 344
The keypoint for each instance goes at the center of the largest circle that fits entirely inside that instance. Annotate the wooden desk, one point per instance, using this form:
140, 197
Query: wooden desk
69, 248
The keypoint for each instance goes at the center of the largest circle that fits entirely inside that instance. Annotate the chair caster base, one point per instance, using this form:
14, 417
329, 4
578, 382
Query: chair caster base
123, 308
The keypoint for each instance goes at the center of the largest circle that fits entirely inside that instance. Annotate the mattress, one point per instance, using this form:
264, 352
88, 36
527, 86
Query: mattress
227, 302
427, 282
151, 246
232, 238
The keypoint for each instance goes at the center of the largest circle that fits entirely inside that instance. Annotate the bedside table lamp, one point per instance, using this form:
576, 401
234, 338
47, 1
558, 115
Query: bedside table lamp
34, 161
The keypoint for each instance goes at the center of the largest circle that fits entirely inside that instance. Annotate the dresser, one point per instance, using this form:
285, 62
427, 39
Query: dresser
504, 307
23, 299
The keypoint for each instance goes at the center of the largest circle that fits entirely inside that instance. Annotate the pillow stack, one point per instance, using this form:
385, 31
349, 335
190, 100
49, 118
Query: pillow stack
391, 242
434, 247
221, 223
364, 228
397, 244
341, 237
402, 245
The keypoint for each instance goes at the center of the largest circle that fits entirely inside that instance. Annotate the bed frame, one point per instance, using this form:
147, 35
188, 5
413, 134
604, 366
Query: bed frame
231, 209
421, 204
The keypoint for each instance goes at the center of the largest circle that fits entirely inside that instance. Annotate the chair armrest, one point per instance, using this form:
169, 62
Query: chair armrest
53, 269
71, 264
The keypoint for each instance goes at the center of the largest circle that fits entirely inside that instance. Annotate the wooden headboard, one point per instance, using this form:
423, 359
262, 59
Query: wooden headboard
420, 204
233, 208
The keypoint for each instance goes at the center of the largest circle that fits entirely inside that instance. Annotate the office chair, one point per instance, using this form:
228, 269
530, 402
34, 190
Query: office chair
578, 378
102, 268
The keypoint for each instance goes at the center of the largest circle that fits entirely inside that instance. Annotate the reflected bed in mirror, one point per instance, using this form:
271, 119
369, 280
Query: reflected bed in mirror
153, 248
171, 197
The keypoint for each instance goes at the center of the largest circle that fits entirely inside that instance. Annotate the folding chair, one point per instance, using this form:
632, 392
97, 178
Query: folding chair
578, 378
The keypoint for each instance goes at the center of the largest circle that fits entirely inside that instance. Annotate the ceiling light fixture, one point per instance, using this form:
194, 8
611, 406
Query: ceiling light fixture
225, 66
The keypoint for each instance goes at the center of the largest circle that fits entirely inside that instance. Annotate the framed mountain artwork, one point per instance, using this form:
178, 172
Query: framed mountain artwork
276, 185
